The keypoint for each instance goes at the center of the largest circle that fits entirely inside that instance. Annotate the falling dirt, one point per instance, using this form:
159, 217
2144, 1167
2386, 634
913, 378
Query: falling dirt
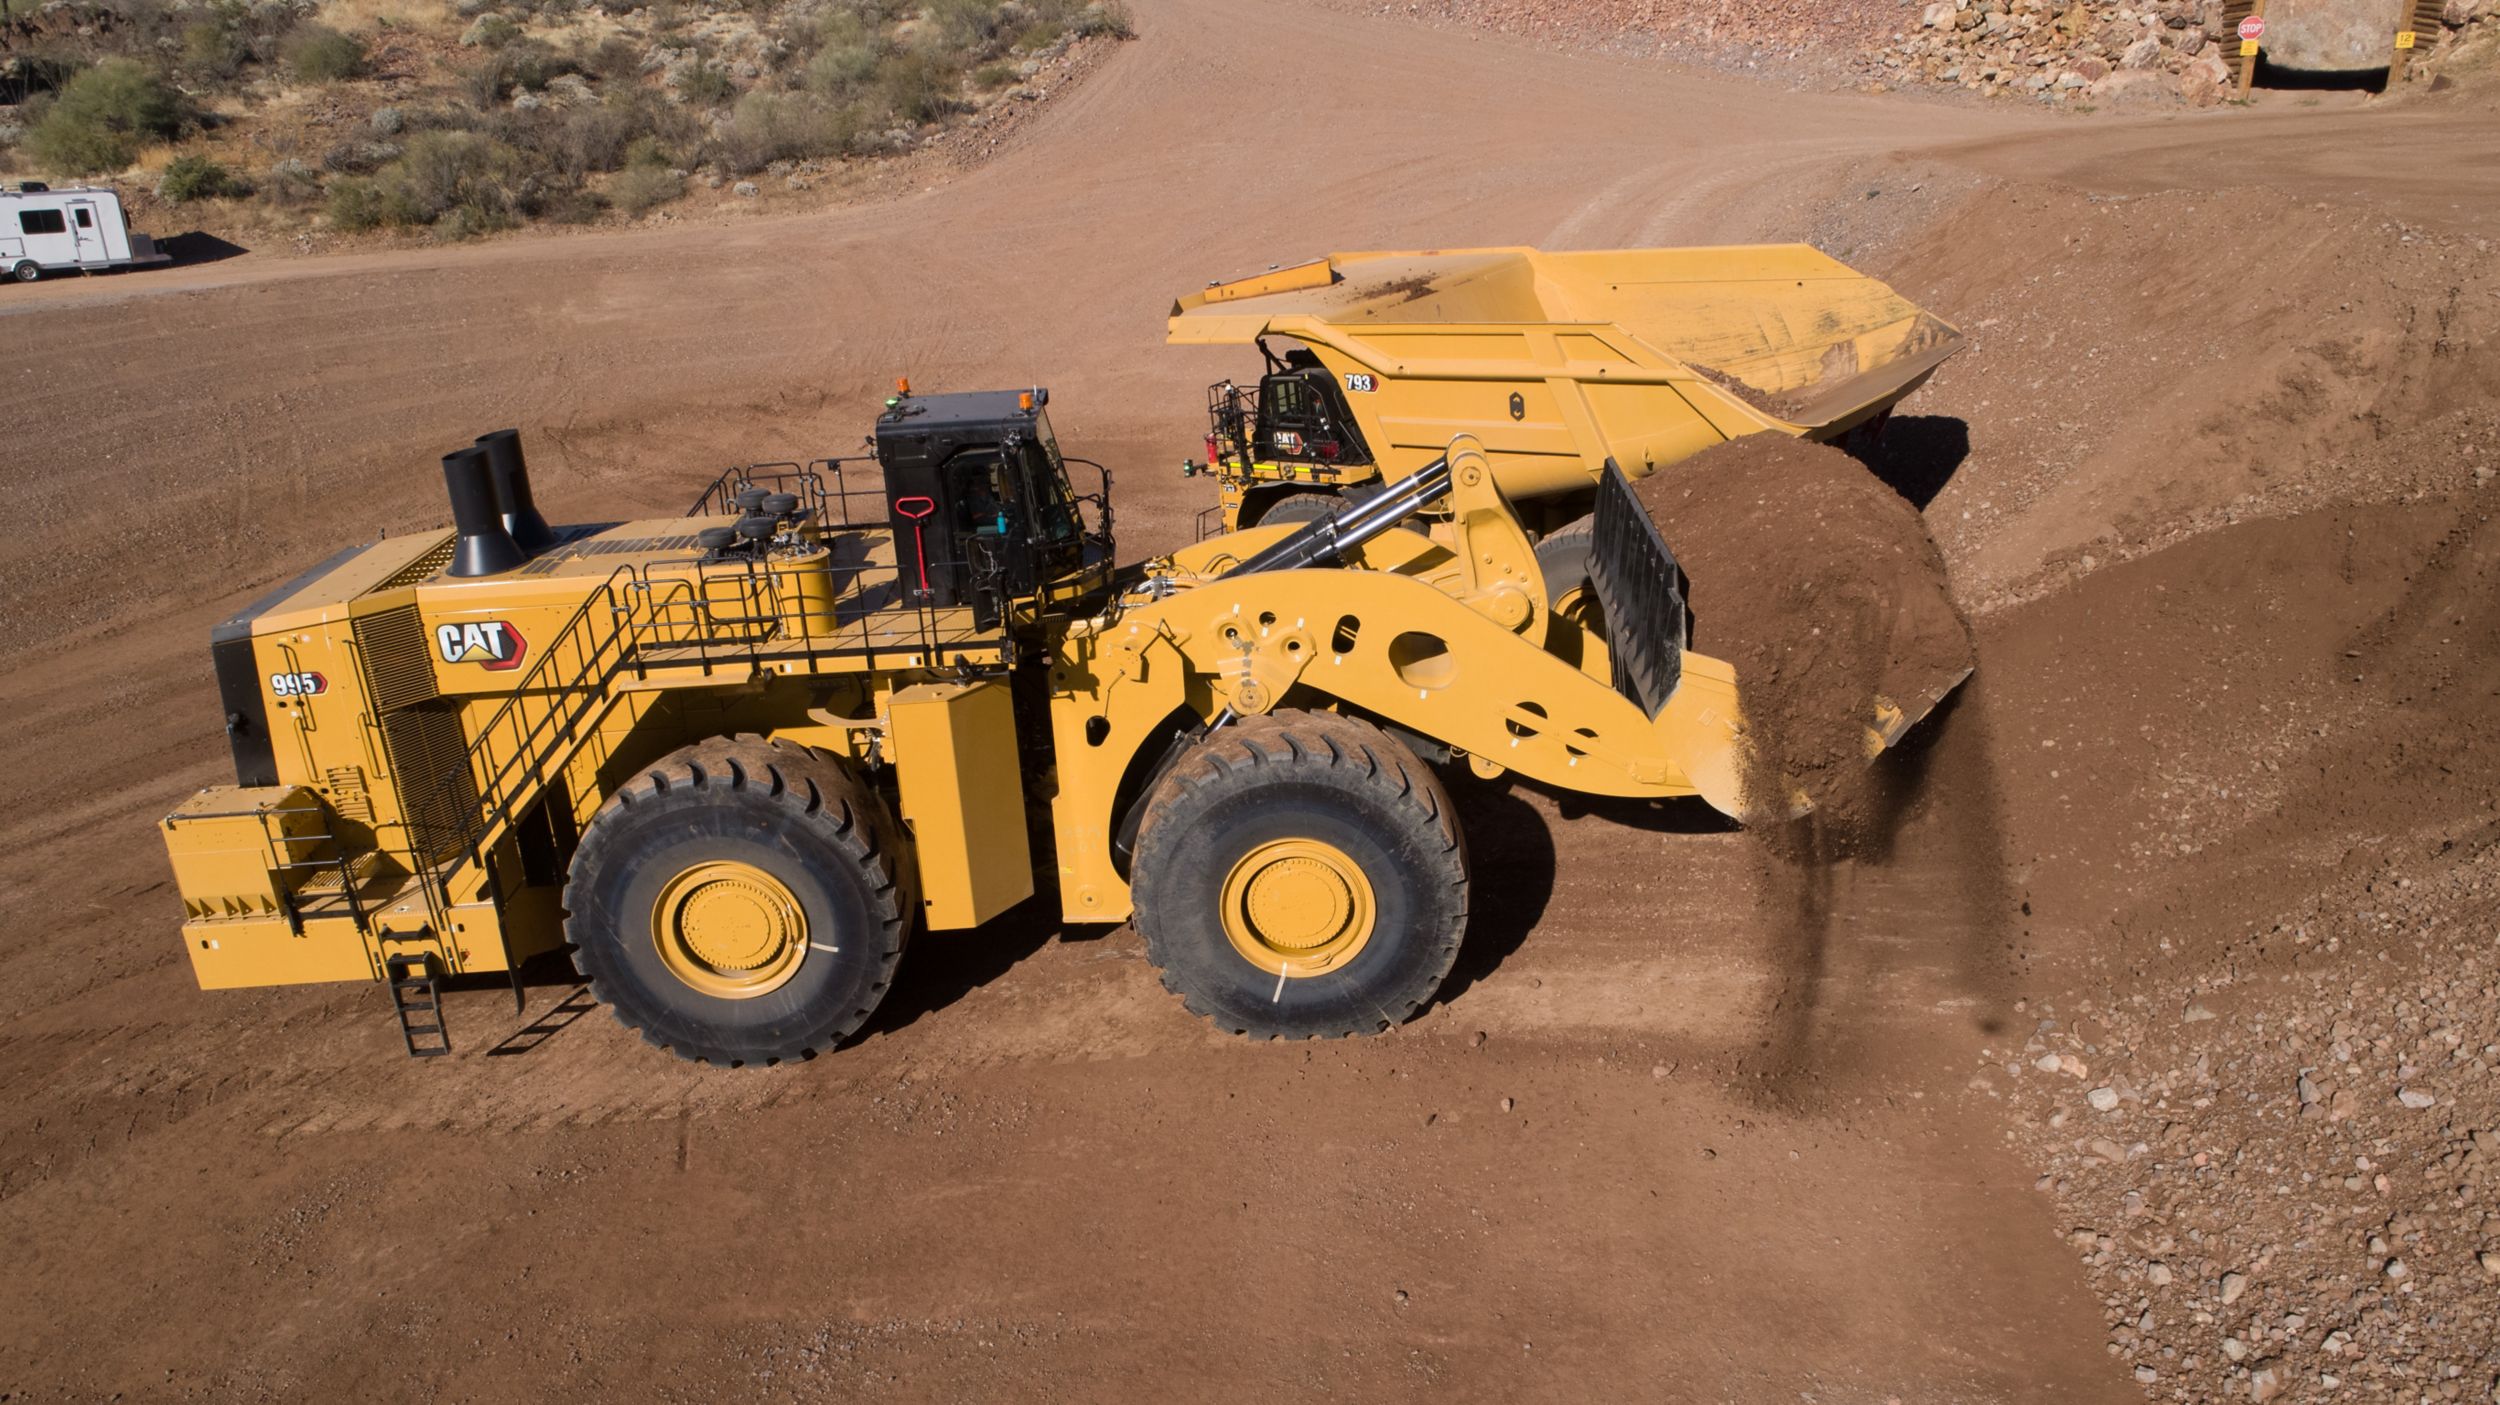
1820, 584
2213, 485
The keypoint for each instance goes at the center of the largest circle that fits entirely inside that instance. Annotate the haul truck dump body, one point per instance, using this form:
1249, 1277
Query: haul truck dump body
1555, 362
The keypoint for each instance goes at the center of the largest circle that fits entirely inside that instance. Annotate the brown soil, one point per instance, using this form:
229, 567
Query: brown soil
1820, 584
2228, 750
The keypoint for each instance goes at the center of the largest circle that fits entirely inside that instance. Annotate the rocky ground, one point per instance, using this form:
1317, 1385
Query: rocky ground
2282, 1172
2060, 52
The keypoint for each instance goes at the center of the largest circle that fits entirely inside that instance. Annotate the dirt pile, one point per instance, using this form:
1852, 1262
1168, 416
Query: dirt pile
2266, 1111
1821, 585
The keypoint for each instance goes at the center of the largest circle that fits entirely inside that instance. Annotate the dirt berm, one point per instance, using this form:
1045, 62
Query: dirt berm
1821, 585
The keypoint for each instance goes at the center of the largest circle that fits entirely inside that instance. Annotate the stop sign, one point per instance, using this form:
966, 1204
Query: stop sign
2253, 28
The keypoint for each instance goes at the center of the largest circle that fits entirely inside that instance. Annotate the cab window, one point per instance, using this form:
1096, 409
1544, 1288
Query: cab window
986, 495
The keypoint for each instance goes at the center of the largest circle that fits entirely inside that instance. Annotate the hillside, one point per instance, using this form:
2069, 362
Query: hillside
317, 120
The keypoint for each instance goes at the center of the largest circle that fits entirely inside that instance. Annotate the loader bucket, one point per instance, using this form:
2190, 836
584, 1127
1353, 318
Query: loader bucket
1643, 592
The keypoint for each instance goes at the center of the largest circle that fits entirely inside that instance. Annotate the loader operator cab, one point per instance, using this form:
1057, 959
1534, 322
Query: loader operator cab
979, 499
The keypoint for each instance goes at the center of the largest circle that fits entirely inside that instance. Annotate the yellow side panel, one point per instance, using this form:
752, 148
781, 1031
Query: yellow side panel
954, 746
229, 953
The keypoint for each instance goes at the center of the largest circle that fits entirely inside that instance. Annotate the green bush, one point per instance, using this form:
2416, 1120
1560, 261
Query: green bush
461, 183
524, 65
214, 49
103, 116
442, 172
195, 177
769, 127
489, 32
1104, 18
918, 86
995, 75
641, 189
845, 66
705, 84
320, 54
359, 203
647, 153
615, 58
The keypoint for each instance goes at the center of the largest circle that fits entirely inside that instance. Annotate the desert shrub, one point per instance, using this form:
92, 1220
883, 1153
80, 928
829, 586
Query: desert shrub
103, 116
565, 144
319, 54
194, 177
615, 58
641, 189
648, 152
444, 172
769, 127
704, 84
356, 158
848, 60
524, 65
214, 49
360, 203
1103, 18
964, 29
489, 31
995, 75
917, 86
291, 183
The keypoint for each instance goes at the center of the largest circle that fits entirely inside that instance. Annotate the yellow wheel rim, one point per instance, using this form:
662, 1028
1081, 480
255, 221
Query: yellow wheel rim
1577, 611
729, 930
1297, 907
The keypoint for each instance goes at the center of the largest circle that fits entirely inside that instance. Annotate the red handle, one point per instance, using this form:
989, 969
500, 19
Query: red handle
904, 508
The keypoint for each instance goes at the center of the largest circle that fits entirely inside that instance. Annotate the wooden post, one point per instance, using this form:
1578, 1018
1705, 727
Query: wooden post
2416, 19
2248, 52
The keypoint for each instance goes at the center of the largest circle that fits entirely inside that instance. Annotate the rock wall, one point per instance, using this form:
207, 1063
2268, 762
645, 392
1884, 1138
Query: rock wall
2066, 50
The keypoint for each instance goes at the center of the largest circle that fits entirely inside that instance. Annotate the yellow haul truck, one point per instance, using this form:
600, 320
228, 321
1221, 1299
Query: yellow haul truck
1555, 362
736, 760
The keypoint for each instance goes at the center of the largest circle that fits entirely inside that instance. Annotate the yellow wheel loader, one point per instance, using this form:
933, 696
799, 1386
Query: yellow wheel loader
735, 761
1555, 362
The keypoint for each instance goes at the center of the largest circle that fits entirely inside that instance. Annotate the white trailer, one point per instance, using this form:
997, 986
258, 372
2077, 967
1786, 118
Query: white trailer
52, 231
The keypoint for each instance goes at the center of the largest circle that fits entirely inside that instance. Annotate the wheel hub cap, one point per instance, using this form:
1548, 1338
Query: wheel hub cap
1297, 907
729, 929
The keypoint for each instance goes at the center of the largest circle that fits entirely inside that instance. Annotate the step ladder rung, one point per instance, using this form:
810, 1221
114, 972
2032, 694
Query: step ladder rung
424, 1041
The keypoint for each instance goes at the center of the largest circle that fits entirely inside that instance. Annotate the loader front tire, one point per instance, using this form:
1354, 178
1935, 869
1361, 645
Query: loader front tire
739, 902
1575, 629
1301, 875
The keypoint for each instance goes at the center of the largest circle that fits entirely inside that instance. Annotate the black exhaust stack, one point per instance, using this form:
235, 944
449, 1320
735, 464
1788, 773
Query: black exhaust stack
511, 474
484, 548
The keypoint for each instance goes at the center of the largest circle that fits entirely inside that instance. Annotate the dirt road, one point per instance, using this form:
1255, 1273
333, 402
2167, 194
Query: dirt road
1667, 1137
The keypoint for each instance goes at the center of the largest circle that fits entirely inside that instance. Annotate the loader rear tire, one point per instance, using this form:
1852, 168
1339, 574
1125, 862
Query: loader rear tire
740, 902
1309, 839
